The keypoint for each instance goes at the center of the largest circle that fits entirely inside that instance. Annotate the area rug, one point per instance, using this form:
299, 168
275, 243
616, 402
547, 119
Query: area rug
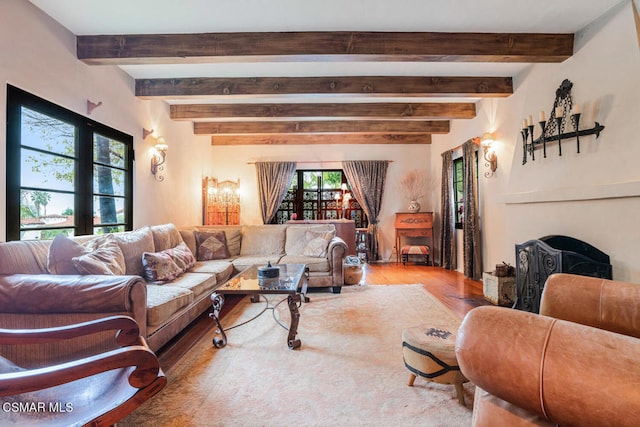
348, 371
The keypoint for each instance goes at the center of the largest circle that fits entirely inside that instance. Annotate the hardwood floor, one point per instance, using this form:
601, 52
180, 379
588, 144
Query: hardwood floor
454, 290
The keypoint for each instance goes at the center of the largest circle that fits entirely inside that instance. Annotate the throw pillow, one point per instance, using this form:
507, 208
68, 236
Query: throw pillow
211, 245
234, 240
159, 267
317, 243
66, 256
104, 257
61, 253
133, 244
182, 256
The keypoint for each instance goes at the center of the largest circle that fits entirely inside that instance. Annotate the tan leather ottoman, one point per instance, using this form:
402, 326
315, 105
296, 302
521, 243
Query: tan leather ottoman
429, 352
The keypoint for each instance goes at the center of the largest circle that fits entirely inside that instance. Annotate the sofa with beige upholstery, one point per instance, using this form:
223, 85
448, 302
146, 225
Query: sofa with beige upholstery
161, 276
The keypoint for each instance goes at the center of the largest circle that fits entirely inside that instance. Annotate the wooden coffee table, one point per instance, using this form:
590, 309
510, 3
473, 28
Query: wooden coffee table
292, 282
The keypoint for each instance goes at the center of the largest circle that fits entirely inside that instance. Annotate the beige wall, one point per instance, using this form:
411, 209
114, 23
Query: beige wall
38, 55
517, 204
234, 162
593, 196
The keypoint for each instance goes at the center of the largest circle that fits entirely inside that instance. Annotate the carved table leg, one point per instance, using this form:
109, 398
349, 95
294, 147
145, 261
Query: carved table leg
218, 301
293, 301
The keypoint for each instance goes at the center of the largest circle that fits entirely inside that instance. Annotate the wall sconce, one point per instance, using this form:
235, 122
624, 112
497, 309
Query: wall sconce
146, 133
92, 106
158, 158
490, 157
563, 112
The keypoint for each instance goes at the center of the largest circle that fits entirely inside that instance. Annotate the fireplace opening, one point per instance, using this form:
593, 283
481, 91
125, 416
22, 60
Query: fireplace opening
539, 258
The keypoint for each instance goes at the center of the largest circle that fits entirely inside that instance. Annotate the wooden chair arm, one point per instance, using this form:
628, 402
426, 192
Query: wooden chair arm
141, 357
128, 332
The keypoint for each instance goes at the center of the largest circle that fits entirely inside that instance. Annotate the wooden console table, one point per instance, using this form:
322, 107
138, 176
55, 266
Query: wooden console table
413, 225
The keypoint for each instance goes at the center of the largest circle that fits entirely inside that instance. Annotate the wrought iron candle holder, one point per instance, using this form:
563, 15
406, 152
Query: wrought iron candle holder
553, 129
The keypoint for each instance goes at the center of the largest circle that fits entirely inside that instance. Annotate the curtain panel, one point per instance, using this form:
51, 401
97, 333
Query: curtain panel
274, 179
471, 222
447, 221
367, 178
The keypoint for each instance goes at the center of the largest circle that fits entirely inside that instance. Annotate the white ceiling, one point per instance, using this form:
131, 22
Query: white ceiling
90, 17
85, 17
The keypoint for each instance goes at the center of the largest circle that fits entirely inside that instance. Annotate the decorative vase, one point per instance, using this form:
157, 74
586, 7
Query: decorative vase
414, 206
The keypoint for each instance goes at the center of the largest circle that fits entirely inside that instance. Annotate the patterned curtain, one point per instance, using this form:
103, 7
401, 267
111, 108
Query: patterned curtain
366, 179
274, 179
470, 221
448, 258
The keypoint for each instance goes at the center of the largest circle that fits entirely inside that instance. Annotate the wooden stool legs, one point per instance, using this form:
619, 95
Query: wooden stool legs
460, 392
412, 378
458, 384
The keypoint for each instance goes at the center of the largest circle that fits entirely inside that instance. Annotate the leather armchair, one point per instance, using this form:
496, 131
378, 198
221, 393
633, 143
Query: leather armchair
575, 364
96, 390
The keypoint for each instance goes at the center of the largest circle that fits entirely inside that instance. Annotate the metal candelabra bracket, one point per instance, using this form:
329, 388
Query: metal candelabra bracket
552, 130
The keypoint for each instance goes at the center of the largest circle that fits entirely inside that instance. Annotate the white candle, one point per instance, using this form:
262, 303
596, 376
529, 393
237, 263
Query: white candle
542, 119
558, 112
524, 124
530, 120
576, 110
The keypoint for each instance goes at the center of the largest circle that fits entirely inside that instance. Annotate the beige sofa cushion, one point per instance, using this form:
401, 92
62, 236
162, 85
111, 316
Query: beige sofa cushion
198, 283
222, 269
265, 240
244, 262
163, 301
26, 257
315, 265
133, 244
165, 236
297, 237
189, 237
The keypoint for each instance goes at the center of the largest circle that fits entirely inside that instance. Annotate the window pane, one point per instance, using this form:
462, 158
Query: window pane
46, 171
109, 229
310, 180
108, 210
108, 151
108, 181
46, 133
56, 207
331, 180
45, 234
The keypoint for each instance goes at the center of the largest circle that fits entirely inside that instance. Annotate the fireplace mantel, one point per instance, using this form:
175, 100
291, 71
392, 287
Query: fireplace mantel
568, 194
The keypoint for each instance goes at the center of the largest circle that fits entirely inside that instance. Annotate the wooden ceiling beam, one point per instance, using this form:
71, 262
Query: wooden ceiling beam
323, 46
354, 111
286, 86
322, 127
306, 139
